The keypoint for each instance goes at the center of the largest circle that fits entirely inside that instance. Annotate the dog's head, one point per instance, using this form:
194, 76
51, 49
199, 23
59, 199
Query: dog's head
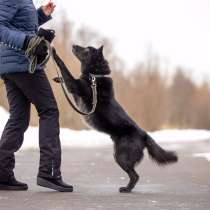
92, 60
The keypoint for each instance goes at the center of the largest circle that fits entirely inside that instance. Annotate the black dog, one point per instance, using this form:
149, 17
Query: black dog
109, 117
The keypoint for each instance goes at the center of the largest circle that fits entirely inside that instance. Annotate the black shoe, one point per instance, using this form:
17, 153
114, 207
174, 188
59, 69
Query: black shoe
13, 184
55, 184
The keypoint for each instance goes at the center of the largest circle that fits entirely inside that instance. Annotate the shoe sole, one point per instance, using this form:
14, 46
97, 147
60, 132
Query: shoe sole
13, 188
44, 183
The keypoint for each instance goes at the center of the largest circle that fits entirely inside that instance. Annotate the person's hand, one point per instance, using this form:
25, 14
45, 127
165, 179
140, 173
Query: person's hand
49, 8
41, 52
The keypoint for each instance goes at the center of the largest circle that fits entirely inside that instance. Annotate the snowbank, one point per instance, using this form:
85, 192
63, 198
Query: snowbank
203, 155
68, 137
93, 138
3, 117
180, 136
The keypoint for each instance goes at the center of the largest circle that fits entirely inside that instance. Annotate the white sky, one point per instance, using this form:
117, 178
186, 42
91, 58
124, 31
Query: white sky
178, 30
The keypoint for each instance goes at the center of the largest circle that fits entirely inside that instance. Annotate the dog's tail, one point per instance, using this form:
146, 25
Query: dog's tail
158, 154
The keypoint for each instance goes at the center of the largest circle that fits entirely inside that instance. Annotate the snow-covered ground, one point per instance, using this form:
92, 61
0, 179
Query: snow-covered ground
93, 138
203, 155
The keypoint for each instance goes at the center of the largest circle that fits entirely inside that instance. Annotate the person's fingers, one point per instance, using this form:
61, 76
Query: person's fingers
51, 7
51, 4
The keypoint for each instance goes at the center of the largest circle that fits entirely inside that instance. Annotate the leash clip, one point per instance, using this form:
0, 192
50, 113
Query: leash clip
93, 80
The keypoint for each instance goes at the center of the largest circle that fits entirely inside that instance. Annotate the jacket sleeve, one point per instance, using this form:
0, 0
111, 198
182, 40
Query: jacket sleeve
12, 38
42, 18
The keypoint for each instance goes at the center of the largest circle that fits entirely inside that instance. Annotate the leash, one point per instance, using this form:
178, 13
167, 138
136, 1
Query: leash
47, 36
65, 91
32, 68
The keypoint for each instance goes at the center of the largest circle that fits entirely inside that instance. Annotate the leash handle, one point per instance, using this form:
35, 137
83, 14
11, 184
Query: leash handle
34, 42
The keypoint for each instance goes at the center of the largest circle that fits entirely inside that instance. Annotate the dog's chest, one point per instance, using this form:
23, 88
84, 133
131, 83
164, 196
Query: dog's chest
105, 93
104, 88
84, 100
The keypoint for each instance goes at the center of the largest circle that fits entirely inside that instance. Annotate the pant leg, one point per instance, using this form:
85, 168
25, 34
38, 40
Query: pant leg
37, 89
12, 136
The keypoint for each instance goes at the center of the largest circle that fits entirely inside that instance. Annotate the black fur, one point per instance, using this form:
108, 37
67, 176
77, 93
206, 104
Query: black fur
109, 117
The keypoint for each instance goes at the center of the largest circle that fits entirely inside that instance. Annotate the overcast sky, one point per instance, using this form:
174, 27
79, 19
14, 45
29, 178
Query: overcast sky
178, 30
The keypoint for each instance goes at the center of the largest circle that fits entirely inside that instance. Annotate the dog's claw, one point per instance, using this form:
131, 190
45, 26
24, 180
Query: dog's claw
58, 79
124, 190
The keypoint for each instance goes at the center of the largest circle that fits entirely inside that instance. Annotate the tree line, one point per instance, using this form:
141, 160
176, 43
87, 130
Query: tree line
153, 99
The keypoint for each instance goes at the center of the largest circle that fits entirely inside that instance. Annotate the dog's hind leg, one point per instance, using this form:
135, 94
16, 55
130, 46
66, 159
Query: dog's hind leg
134, 177
127, 162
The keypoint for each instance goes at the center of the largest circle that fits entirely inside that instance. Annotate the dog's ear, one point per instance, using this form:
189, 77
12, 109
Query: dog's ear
101, 49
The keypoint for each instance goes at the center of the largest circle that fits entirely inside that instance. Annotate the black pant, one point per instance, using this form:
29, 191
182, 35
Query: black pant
22, 90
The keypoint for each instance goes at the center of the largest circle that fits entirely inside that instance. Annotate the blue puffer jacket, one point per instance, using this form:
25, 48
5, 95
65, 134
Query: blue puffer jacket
18, 18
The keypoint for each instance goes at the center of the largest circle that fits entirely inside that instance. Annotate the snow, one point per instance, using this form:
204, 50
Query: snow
180, 136
68, 137
3, 117
91, 138
203, 155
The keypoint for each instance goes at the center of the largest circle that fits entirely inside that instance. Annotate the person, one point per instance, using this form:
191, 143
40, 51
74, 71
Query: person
19, 22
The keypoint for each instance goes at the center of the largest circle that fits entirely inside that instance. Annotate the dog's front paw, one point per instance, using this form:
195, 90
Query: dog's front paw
124, 190
58, 79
